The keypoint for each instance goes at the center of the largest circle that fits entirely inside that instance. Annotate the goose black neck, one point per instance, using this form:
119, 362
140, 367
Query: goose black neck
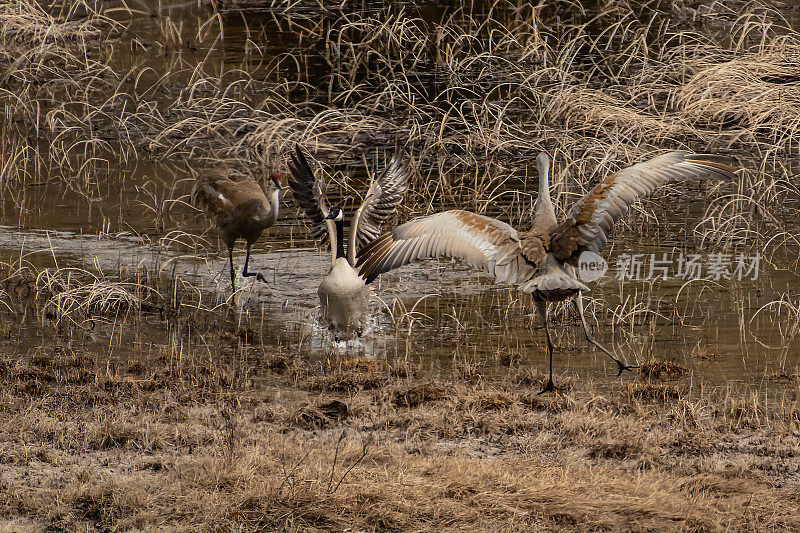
339, 239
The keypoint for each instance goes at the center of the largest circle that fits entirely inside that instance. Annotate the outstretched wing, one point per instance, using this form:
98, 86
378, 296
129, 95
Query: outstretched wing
307, 193
383, 198
591, 218
482, 242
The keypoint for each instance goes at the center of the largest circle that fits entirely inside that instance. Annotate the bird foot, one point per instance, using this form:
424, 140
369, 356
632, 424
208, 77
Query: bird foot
258, 275
624, 366
550, 387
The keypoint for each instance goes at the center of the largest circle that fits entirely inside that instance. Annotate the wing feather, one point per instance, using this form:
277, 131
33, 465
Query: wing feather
415, 249
307, 193
205, 196
592, 217
217, 190
384, 196
483, 242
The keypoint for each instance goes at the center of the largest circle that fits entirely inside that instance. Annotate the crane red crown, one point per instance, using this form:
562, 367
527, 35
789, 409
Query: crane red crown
275, 176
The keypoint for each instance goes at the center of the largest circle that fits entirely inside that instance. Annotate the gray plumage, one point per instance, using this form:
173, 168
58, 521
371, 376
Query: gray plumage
540, 261
593, 216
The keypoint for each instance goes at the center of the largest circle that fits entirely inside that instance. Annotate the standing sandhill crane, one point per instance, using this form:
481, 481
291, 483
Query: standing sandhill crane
239, 207
541, 261
343, 294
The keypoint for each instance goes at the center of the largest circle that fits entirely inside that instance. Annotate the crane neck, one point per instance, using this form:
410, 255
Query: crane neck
268, 214
274, 202
543, 202
544, 214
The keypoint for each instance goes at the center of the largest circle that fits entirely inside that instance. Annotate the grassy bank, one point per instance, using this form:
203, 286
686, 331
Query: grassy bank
212, 439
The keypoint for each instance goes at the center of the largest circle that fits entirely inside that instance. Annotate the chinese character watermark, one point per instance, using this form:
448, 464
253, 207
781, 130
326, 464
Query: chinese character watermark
645, 267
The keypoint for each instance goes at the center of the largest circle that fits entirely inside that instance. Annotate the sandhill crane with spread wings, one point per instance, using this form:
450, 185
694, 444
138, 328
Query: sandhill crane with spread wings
541, 261
343, 294
239, 208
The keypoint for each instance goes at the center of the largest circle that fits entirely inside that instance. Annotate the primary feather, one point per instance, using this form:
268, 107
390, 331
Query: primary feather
384, 196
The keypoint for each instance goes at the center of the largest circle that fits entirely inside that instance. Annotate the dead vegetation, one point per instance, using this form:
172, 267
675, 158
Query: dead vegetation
474, 97
115, 446
134, 399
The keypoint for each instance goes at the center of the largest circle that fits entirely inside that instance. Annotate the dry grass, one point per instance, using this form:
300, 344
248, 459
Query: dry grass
212, 429
213, 424
474, 97
172, 444
461, 91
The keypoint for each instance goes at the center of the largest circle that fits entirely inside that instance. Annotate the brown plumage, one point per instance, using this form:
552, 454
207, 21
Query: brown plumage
541, 261
239, 208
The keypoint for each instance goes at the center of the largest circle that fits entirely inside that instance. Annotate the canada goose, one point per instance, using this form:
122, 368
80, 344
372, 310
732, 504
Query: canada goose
541, 261
343, 294
239, 208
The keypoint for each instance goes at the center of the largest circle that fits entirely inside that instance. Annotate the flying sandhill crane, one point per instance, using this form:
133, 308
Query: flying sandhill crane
239, 207
541, 261
343, 294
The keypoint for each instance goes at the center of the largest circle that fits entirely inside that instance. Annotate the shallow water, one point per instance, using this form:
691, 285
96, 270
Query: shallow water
134, 219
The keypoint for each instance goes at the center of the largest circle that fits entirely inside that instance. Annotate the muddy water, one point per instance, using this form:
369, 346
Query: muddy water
135, 219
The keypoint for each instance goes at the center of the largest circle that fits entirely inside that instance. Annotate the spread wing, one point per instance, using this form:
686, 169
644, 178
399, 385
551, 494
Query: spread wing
483, 242
592, 217
382, 200
307, 193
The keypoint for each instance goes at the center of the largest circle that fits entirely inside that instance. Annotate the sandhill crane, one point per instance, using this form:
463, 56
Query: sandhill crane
541, 261
239, 207
343, 294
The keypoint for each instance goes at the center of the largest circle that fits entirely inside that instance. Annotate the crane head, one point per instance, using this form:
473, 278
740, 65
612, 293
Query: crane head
543, 163
275, 178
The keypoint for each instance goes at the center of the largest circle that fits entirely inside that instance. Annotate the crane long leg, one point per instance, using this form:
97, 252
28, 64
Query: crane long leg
245, 273
233, 273
541, 309
578, 299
